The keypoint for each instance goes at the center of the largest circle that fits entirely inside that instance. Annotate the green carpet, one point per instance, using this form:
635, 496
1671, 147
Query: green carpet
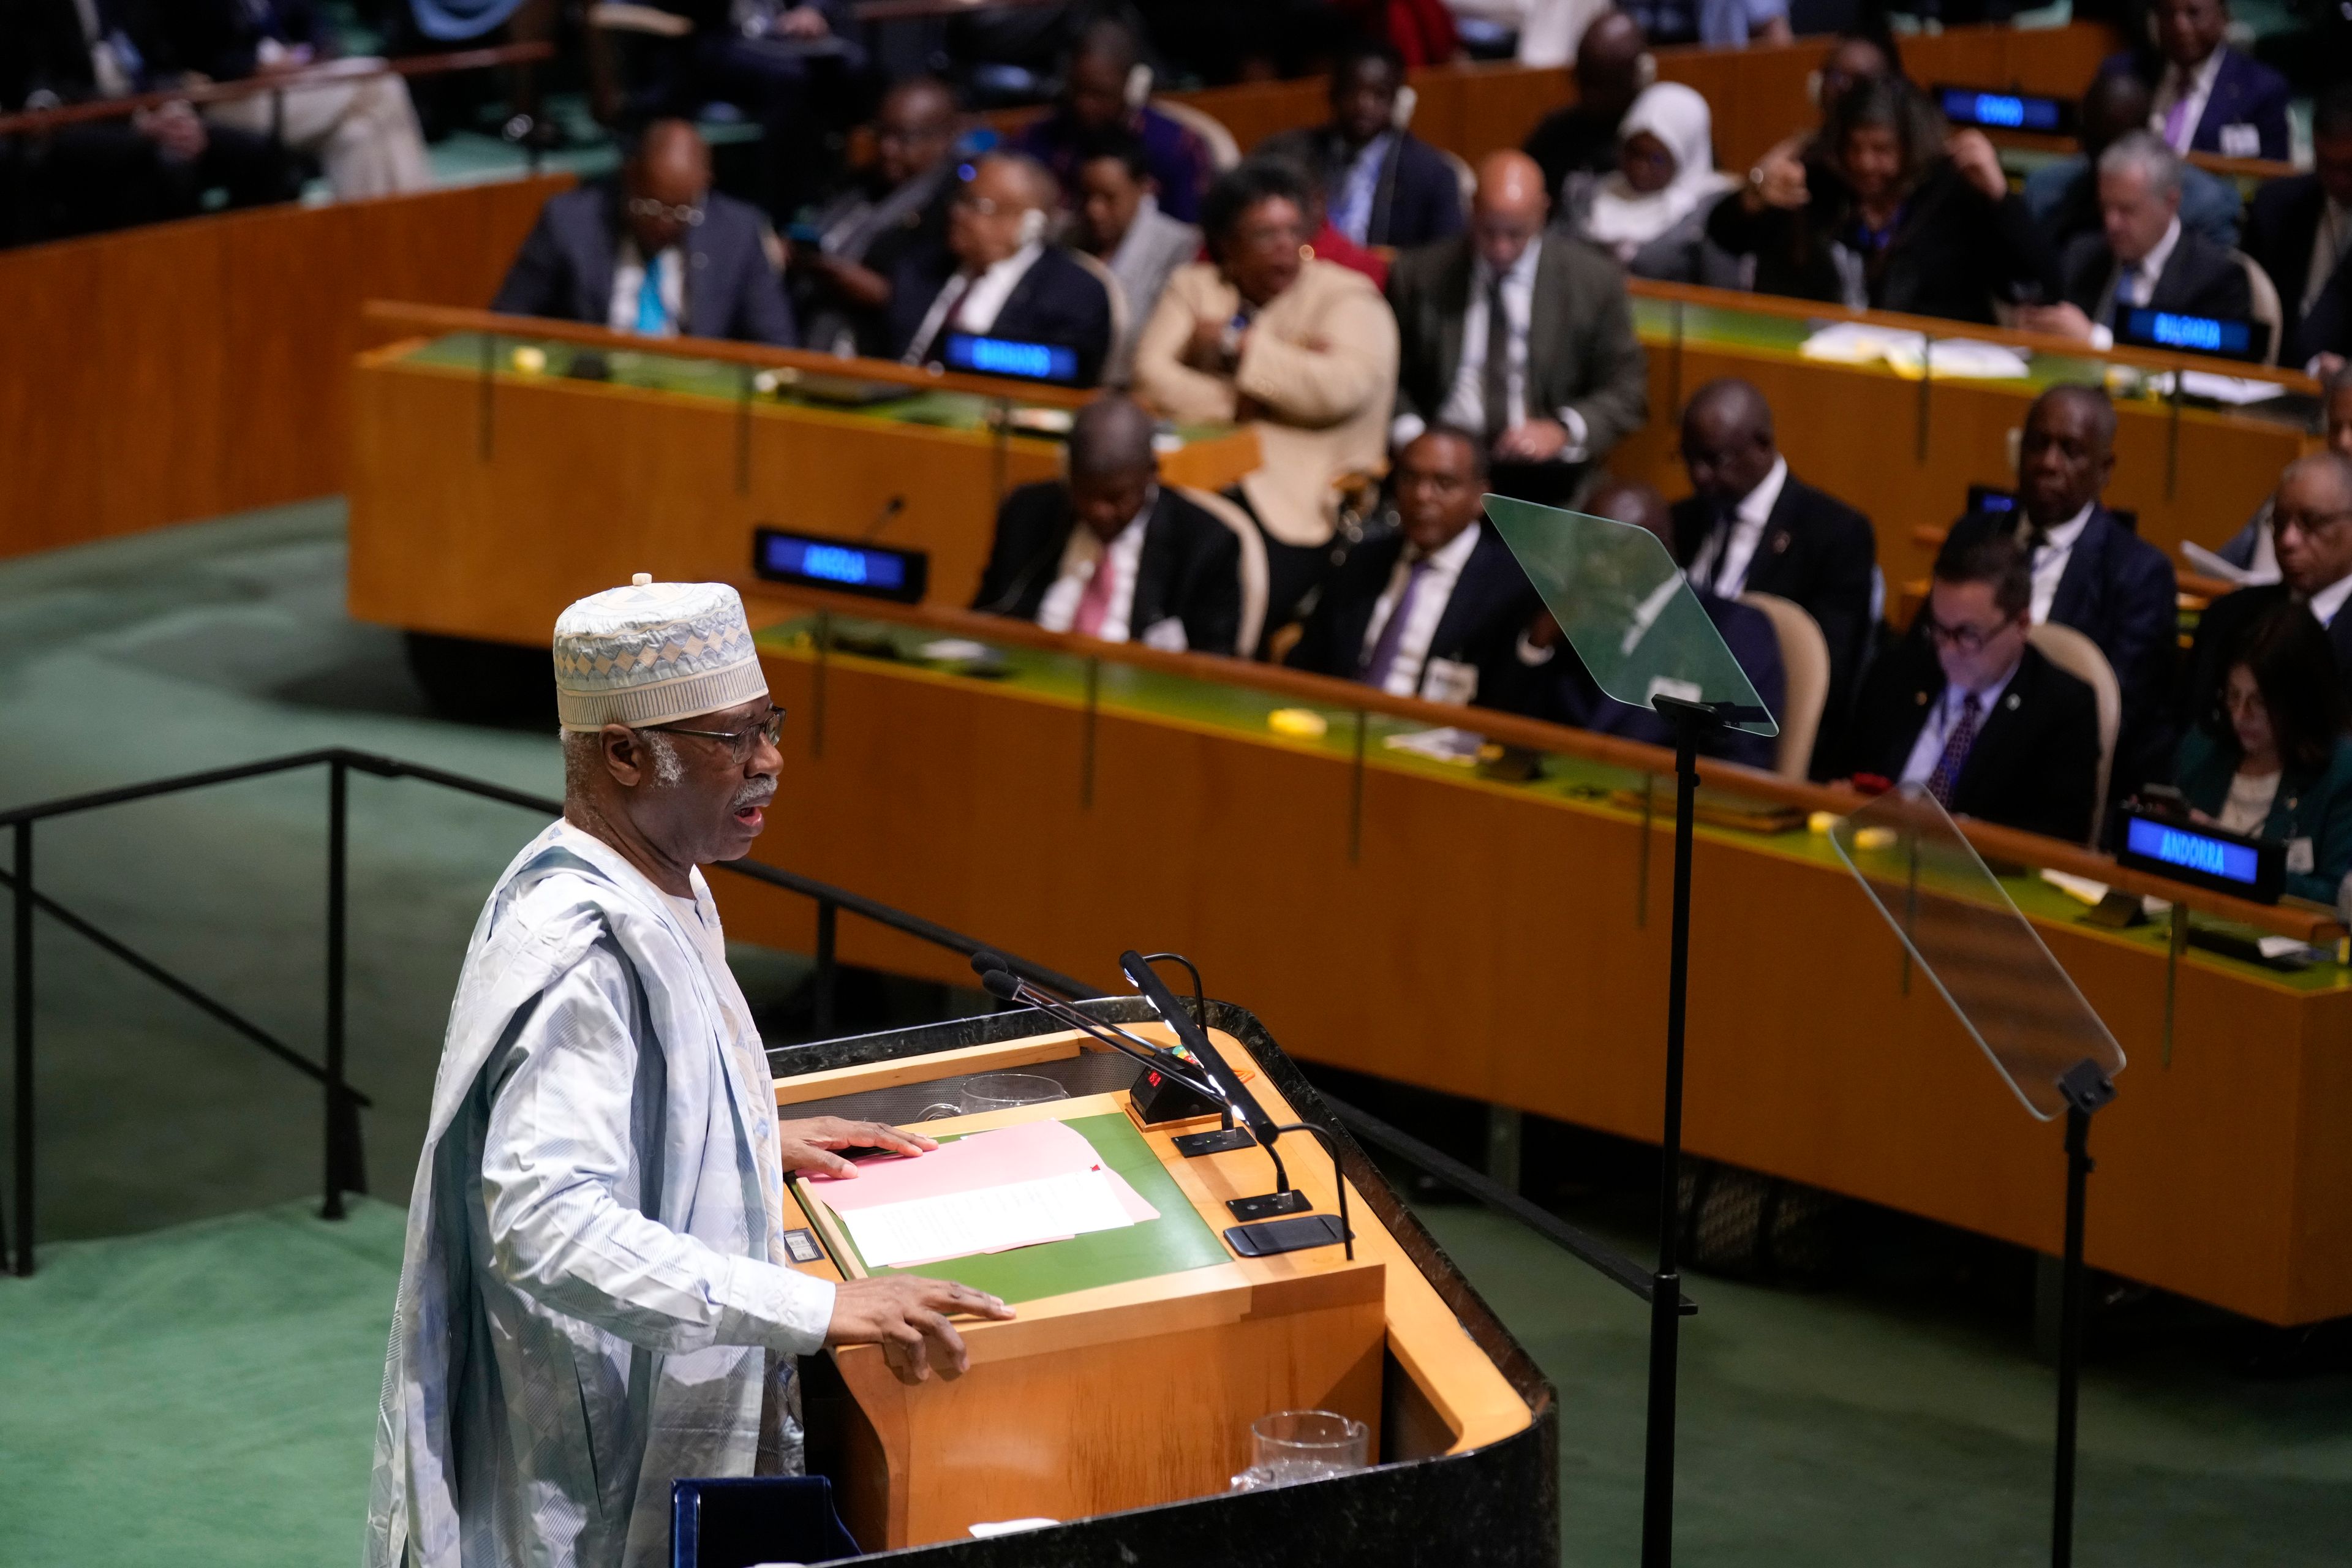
198, 1390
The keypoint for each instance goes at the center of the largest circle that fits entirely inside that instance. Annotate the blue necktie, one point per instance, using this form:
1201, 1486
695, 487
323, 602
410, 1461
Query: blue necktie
653, 316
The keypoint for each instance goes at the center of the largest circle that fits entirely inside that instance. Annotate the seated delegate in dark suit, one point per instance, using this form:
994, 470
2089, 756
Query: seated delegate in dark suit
2063, 193
109, 173
1436, 609
900, 205
2300, 229
1382, 184
1751, 525
1522, 336
1569, 695
1612, 66
656, 251
1110, 553
2271, 760
2209, 96
2311, 531
2145, 256
2090, 572
1887, 214
1966, 707
998, 277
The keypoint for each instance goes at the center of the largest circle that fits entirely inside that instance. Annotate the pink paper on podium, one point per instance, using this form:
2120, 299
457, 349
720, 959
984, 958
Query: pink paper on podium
1007, 1157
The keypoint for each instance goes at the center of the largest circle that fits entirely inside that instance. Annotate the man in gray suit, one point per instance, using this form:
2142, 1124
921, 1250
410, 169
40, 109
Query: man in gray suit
1523, 336
656, 251
1121, 225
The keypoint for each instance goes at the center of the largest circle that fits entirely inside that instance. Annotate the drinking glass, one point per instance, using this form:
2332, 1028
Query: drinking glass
996, 1091
1293, 1446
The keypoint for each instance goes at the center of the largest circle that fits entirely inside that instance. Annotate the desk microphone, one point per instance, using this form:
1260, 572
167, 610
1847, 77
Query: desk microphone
996, 977
890, 509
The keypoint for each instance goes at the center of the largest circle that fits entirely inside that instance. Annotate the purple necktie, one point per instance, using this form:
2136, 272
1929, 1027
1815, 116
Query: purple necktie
1384, 652
1956, 752
2176, 118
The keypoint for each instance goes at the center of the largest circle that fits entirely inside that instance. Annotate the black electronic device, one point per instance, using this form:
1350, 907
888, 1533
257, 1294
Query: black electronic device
2203, 857
842, 565
1010, 357
2223, 336
1297, 1233
1992, 109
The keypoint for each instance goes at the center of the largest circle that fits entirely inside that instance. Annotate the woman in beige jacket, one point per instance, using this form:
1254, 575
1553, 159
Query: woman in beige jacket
1303, 350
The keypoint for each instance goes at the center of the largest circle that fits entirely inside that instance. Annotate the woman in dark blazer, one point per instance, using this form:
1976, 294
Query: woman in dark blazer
1886, 211
2271, 760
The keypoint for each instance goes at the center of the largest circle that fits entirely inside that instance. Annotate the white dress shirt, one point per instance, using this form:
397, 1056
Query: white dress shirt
1928, 749
2134, 284
2329, 600
2050, 560
1352, 203
973, 303
1723, 561
2197, 88
1445, 565
629, 280
1083, 557
2327, 246
1465, 404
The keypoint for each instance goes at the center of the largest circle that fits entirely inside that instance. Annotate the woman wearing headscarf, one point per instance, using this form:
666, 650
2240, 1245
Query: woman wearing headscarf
1892, 213
1651, 213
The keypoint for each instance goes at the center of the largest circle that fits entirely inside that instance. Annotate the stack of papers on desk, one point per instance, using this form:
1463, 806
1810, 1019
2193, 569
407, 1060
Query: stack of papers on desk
1016, 1186
1909, 353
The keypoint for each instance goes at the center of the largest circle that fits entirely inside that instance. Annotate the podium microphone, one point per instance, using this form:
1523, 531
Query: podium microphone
996, 977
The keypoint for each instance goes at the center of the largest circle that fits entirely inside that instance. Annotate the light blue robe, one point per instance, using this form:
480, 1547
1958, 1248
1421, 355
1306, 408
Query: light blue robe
592, 1297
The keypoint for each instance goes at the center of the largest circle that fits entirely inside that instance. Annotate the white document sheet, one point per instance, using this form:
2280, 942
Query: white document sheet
957, 1225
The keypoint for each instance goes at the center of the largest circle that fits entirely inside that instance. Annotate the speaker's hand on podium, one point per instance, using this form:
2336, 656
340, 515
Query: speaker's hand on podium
908, 1317
808, 1144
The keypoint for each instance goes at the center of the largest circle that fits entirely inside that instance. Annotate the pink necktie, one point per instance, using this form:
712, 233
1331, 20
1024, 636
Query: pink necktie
1094, 606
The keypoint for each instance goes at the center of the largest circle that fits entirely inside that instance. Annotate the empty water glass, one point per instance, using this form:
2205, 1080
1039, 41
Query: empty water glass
996, 1091
1293, 1446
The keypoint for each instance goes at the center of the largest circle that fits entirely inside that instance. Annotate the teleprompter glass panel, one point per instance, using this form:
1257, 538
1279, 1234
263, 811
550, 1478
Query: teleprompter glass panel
1984, 956
1622, 604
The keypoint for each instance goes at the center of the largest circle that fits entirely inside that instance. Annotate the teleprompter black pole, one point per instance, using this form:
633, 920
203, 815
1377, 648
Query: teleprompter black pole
1665, 1283
2086, 1089
22, 942
339, 1109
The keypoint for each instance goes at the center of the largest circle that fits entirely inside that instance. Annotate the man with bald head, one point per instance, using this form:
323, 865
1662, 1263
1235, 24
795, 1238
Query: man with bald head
1612, 66
653, 250
1522, 337
2311, 530
1750, 526
2090, 570
1110, 551
997, 276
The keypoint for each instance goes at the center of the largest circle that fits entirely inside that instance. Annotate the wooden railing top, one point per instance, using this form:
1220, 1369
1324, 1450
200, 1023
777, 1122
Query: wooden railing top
1939, 327
35, 121
1997, 844
455, 319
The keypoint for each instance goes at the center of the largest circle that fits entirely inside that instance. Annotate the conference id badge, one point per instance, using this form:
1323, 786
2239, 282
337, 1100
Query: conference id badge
1449, 680
2241, 142
2299, 860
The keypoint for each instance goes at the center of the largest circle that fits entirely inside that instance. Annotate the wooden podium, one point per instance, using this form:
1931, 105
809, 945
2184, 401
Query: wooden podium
1140, 1357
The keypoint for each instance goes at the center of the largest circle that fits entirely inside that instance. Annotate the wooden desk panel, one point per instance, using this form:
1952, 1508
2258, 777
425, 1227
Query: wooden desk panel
190, 369
1486, 944
588, 482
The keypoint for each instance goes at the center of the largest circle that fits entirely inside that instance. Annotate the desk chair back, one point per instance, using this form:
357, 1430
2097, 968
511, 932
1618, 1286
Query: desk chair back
1805, 662
2267, 309
2079, 657
1253, 578
1224, 150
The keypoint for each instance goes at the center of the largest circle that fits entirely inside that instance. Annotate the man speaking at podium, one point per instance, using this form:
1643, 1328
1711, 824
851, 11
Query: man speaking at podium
594, 1300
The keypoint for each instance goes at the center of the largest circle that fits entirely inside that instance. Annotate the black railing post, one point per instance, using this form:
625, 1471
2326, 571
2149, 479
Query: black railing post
23, 1073
828, 918
339, 1113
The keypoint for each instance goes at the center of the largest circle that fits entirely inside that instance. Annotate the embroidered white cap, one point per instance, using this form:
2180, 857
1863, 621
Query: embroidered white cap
653, 653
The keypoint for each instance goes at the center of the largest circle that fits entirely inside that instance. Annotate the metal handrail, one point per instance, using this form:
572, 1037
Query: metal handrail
345, 1166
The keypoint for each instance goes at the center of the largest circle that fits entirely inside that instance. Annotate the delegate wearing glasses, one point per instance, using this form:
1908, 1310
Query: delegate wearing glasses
653, 207
741, 743
1968, 640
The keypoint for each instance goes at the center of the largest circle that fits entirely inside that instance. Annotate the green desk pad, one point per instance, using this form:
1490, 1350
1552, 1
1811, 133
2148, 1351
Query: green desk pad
1574, 783
653, 370
1175, 1242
